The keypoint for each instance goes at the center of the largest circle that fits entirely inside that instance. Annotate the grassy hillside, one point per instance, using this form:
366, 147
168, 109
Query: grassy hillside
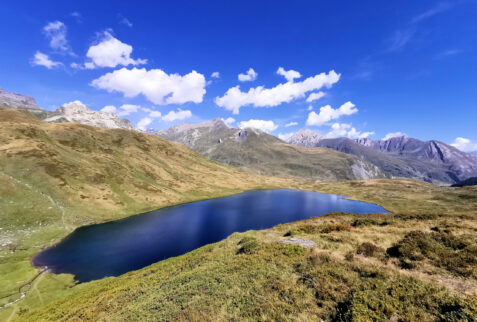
417, 263
56, 177
262, 153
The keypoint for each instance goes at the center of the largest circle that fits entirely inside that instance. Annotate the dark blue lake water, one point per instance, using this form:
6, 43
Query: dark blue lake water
117, 247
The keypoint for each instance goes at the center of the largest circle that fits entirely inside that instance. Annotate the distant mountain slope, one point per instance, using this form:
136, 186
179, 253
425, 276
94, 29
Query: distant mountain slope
265, 154
76, 112
467, 182
431, 161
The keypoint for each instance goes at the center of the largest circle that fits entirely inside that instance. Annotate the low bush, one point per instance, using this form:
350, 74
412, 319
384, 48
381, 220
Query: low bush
456, 254
248, 245
369, 250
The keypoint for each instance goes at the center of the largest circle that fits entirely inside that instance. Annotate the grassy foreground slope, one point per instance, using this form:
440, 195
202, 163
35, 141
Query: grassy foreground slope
56, 177
417, 263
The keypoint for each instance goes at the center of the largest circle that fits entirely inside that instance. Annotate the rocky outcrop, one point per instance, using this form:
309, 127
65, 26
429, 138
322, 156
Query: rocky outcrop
18, 101
77, 112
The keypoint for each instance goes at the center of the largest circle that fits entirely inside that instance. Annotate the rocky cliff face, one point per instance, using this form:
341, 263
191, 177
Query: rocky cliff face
18, 101
76, 112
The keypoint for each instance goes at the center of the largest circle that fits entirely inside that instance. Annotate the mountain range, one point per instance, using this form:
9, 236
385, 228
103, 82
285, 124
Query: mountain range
305, 154
431, 161
263, 153
74, 112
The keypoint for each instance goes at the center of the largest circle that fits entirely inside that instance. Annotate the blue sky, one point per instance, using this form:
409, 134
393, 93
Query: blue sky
404, 66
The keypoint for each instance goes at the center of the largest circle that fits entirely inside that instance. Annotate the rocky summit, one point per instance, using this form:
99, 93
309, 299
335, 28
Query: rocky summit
306, 138
18, 101
77, 112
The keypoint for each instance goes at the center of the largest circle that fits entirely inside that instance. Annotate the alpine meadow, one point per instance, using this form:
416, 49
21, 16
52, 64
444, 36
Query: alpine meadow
238, 161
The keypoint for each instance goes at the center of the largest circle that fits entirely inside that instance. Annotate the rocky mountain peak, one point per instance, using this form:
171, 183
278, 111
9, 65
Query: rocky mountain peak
305, 137
77, 112
18, 101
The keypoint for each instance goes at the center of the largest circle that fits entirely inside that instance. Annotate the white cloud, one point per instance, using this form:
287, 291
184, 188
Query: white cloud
266, 126
179, 115
155, 114
310, 108
229, 120
327, 113
285, 136
393, 135
125, 21
259, 96
157, 86
41, 59
127, 109
109, 109
346, 130
464, 144
215, 75
251, 75
56, 32
110, 52
290, 75
291, 124
143, 123
314, 96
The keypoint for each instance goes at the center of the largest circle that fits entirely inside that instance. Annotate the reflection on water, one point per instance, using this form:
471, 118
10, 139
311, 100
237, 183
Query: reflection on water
117, 247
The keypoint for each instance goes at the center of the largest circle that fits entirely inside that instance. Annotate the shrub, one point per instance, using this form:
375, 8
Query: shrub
369, 250
456, 254
248, 245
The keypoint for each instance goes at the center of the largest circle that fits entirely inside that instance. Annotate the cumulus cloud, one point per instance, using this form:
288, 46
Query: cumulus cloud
215, 75
143, 123
291, 124
314, 96
110, 52
346, 130
327, 113
290, 75
109, 109
155, 114
40, 59
259, 96
285, 136
251, 75
156, 85
393, 135
177, 115
127, 109
229, 121
56, 32
266, 126
464, 144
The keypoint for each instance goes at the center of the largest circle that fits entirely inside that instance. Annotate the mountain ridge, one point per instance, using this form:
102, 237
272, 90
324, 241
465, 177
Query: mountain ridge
262, 153
431, 161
